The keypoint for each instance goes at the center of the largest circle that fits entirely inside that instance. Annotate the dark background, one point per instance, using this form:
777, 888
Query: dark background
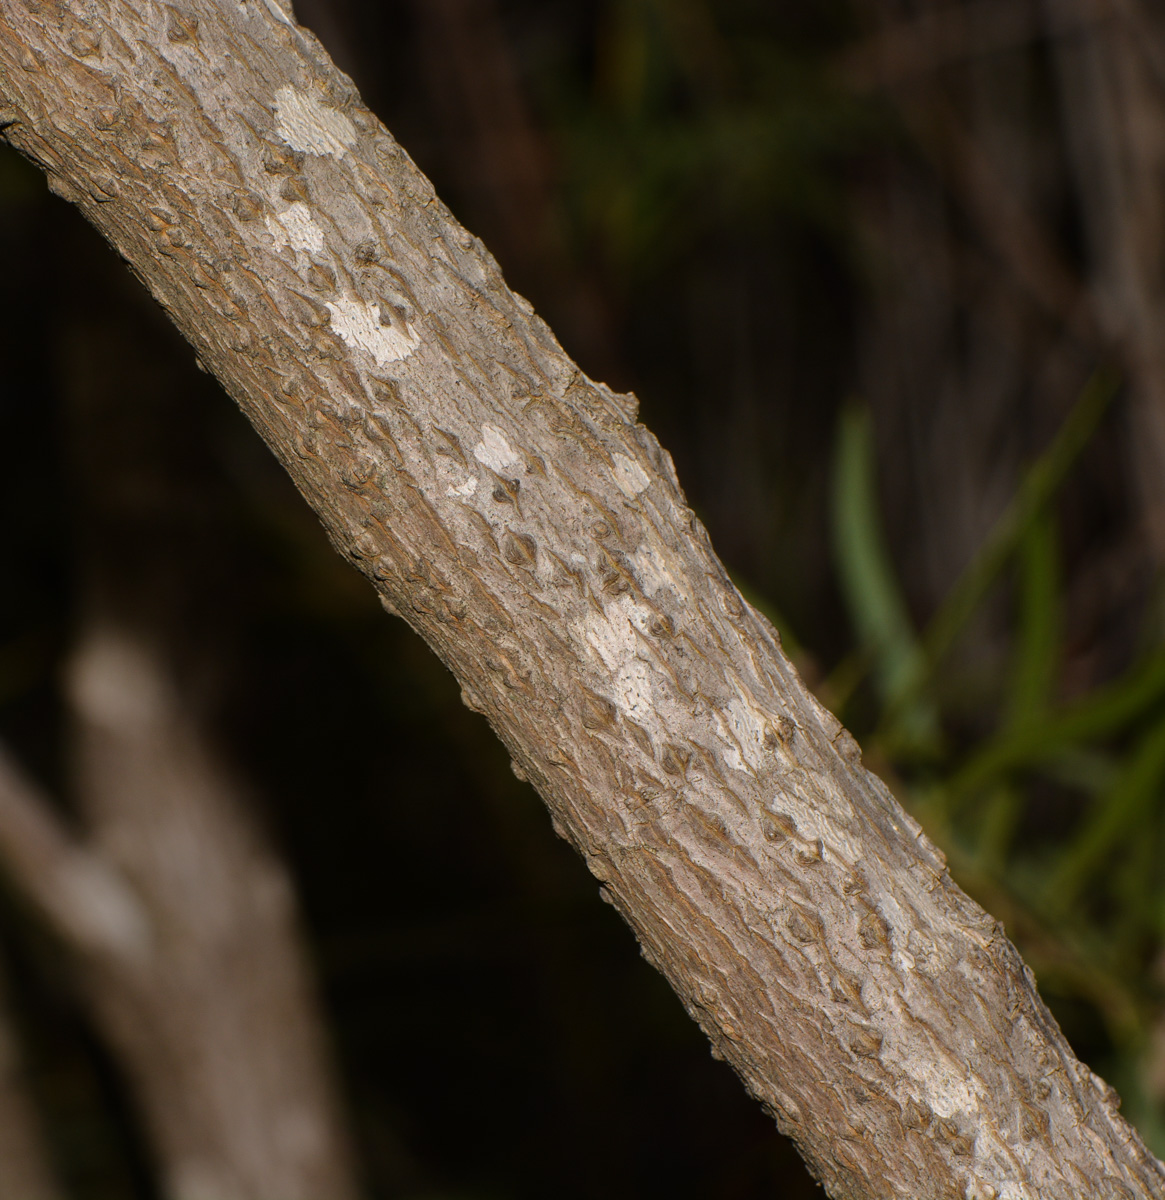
725, 208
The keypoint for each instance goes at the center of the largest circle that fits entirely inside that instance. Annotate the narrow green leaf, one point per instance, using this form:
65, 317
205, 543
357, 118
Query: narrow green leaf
1041, 483
1104, 712
870, 586
1037, 649
1115, 816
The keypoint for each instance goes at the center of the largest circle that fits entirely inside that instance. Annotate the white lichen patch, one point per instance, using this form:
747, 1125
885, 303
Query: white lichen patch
939, 1082
903, 926
650, 571
613, 637
279, 14
630, 476
306, 124
294, 227
742, 726
813, 824
465, 489
359, 325
494, 450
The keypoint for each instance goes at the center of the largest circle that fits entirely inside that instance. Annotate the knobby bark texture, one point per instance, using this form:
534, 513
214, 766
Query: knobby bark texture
513, 512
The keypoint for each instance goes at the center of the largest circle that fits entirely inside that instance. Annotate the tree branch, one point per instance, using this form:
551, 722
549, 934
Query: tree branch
83, 899
219, 1032
186, 925
509, 508
1111, 98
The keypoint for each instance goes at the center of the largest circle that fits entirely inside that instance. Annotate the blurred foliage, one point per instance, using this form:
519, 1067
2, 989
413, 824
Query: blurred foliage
697, 118
1055, 819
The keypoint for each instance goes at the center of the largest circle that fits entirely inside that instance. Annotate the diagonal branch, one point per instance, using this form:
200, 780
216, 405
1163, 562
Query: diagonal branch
537, 538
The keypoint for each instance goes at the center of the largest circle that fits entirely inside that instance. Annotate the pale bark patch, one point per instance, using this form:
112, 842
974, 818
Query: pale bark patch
942, 1085
614, 639
744, 734
294, 227
306, 124
359, 325
493, 450
650, 570
629, 475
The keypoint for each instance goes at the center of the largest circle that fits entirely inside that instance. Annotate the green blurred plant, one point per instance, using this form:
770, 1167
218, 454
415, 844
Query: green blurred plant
697, 118
1055, 819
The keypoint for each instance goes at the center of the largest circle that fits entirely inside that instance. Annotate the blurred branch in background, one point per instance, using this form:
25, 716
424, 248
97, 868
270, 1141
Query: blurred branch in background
26, 1172
181, 923
213, 1013
217, 1023
1112, 96
179, 917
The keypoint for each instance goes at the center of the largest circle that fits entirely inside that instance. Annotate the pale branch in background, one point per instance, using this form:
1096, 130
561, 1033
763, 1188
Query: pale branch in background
183, 925
512, 511
1110, 88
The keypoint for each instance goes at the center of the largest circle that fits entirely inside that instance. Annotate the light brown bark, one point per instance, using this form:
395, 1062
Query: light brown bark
512, 511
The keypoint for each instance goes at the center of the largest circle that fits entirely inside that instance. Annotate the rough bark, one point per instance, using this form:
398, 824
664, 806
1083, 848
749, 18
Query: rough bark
512, 511
504, 166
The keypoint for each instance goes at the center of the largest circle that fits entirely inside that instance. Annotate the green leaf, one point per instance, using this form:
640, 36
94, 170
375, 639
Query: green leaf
1106, 711
870, 586
1037, 651
1040, 484
1117, 815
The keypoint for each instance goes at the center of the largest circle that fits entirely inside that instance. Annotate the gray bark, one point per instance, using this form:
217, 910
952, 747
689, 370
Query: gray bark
517, 517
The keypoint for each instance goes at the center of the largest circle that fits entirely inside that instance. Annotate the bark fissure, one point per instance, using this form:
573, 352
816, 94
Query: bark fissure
514, 514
